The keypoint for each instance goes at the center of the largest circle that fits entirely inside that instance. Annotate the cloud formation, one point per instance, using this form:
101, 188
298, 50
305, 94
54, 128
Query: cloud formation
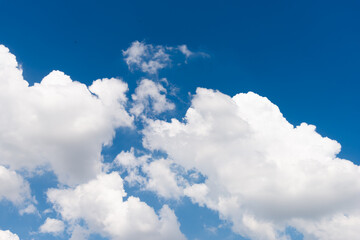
184, 50
13, 187
62, 125
7, 235
52, 226
150, 97
150, 59
102, 205
260, 173
150, 174
263, 174
146, 57
58, 123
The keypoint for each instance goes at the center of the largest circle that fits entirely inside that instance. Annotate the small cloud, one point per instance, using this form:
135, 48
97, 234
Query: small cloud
28, 210
48, 210
146, 57
150, 59
184, 50
189, 54
52, 226
211, 229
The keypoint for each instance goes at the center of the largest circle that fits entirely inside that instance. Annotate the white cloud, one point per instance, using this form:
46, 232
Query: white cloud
79, 233
58, 123
53, 226
150, 59
262, 173
146, 57
189, 54
184, 50
197, 193
128, 160
151, 174
150, 97
162, 180
131, 164
13, 187
7, 235
101, 205
338, 226
30, 209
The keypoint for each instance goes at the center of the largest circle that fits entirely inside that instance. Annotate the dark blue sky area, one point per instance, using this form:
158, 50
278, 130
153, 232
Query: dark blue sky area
302, 55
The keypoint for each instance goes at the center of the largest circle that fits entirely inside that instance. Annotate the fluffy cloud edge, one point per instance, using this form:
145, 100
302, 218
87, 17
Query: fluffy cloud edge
262, 172
7, 235
52, 226
111, 214
59, 124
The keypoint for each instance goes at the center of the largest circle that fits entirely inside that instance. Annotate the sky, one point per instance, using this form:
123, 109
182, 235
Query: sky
179, 120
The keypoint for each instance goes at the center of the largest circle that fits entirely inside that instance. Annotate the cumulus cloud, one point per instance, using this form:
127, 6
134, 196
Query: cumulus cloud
101, 204
262, 173
57, 123
338, 226
162, 180
131, 165
14, 188
150, 174
150, 97
52, 226
146, 57
7, 235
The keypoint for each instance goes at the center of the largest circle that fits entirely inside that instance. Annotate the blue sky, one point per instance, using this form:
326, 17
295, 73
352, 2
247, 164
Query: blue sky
302, 56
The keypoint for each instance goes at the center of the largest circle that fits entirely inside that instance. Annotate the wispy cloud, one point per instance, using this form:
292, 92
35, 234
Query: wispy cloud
184, 50
150, 59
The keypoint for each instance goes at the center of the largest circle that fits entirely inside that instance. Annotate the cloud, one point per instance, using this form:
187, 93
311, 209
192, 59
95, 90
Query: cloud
150, 59
14, 188
79, 233
338, 226
162, 180
131, 165
184, 50
7, 235
146, 57
150, 97
189, 54
101, 204
58, 123
150, 174
53, 226
30, 209
262, 173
